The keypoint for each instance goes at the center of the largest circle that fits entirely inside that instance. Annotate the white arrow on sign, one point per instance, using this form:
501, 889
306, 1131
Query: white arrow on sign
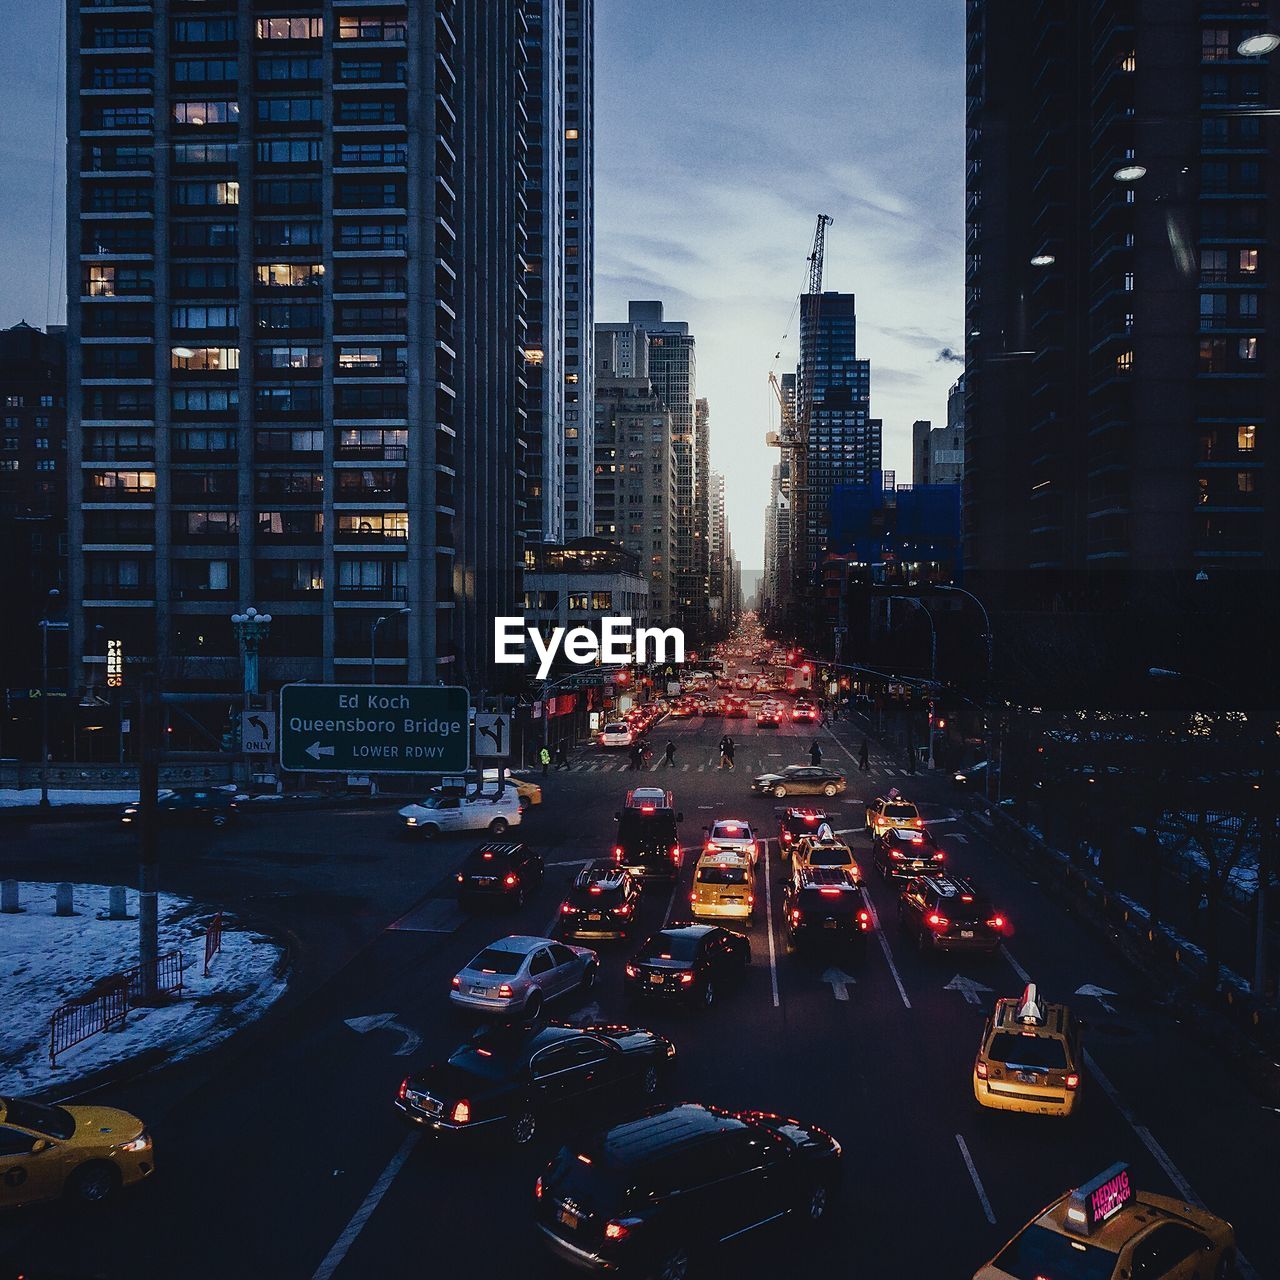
376, 1021
840, 982
1098, 993
315, 751
972, 991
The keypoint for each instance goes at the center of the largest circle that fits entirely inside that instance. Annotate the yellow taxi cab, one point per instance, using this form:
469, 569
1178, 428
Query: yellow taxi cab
891, 810
1107, 1230
530, 793
723, 887
824, 849
86, 1152
1030, 1057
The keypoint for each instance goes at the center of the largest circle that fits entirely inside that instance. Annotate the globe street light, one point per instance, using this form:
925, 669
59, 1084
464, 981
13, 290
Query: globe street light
1131, 171
251, 628
1258, 46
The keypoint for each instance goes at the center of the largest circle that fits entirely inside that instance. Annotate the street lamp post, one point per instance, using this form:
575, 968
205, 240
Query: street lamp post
933, 665
44, 699
986, 623
373, 640
251, 628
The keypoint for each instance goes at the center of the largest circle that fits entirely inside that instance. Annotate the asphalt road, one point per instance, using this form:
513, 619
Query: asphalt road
281, 1156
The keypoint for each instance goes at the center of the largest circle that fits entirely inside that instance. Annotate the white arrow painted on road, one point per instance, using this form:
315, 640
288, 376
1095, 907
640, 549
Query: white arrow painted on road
376, 1021
1098, 993
315, 751
840, 982
972, 991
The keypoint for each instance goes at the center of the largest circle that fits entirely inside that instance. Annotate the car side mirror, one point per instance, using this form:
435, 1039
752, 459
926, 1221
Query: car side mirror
41, 1144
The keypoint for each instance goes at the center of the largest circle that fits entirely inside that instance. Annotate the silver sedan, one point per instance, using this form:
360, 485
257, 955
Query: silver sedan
516, 976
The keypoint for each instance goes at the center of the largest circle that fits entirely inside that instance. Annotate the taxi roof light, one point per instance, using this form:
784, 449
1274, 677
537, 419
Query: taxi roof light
1029, 1009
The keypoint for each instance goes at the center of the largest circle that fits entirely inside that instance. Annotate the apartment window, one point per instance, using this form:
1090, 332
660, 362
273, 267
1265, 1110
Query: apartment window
199, 70
370, 111
299, 66
288, 151
368, 195
216, 111
204, 317
1248, 348
1215, 44
1128, 282
302, 357
1213, 266
193, 400
204, 30
204, 235
196, 194
372, 153
1248, 261
46, 464
285, 192
218, 526
288, 275
281, 235
1124, 362
371, 235
123, 117
290, 110
1245, 481
1248, 306
290, 28
1213, 355
201, 440
1213, 310
205, 359
371, 28
602, 599
192, 153
1246, 438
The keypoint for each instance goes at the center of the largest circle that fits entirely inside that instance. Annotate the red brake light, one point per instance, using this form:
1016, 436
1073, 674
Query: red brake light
675, 853
646, 808
966, 897
693, 896
893, 853
615, 1230
504, 991
1073, 1080
461, 878
510, 880
486, 855
937, 921
632, 971
623, 910
786, 837
457, 982
864, 917
461, 1113
595, 888
795, 915
981, 1068
686, 978
996, 922
937, 857
617, 852
829, 893
537, 1189
566, 907
404, 1087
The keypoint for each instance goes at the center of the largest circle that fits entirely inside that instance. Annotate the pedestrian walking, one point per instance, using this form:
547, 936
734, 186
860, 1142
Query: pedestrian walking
637, 756
864, 757
815, 754
826, 717
561, 756
671, 753
544, 759
729, 750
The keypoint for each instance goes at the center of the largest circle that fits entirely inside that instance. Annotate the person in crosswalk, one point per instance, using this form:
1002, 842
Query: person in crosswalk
864, 757
671, 754
561, 756
815, 754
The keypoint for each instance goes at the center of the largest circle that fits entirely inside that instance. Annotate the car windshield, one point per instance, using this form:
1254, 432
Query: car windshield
731, 831
1016, 1049
636, 824
486, 860
825, 855
494, 960
615, 728
900, 811
967, 912
711, 874
1039, 1252
55, 1121
666, 947
592, 897
490, 1061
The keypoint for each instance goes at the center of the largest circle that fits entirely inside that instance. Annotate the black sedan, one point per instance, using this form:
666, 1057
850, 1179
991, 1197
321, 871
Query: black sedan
800, 780
513, 1082
904, 852
602, 903
196, 805
651, 1195
689, 963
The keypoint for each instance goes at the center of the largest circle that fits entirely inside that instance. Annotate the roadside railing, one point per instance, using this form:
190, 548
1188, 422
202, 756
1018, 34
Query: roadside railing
212, 941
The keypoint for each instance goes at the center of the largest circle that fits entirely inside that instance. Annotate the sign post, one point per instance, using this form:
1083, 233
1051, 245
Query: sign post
374, 729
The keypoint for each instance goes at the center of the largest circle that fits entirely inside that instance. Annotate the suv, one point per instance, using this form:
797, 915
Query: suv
494, 872
946, 913
602, 903
794, 822
648, 840
650, 1194
1030, 1057
731, 835
723, 888
823, 902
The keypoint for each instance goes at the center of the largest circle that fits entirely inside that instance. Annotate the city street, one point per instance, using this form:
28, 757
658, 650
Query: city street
286, 1142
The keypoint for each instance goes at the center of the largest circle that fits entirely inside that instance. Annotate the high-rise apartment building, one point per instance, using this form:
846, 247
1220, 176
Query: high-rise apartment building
558, 268
717, 547
937, 453
636, 500
1123, 170
700, 567
834, 388
295, 328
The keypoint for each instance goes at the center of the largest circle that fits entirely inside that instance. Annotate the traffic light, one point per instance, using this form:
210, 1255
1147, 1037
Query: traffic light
806, 670
621, 677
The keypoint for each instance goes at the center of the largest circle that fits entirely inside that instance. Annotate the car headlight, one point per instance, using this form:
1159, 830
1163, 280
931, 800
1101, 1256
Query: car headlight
413, 822
141, 1143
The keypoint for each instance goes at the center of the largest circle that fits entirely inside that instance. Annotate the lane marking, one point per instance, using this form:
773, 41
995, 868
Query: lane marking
977, 1182
359, 1220
1145, 1136
577, 862
768, 924
884, 946
671, 902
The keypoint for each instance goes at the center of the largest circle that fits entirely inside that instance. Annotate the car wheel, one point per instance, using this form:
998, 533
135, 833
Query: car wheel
589, 978
829, 790
649, 1081
779, 792
430, 831
532, 1006
524, 1124
818, 1203
499, 826
708, 994
93, 1183
675, 1265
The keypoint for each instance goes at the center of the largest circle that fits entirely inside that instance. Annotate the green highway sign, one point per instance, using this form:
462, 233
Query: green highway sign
363, 728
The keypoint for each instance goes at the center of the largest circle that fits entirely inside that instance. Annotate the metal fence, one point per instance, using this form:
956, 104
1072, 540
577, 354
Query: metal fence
109, 1002
212, 941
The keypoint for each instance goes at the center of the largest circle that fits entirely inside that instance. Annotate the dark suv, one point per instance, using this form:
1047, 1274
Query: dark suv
648, 840
794, 822
946, 913
503, 872
823, 904
649, 1195
602, 903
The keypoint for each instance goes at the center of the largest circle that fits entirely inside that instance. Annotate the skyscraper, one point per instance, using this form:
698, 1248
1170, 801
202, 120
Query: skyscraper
294, 322
834, 387
1120, 384
557, 271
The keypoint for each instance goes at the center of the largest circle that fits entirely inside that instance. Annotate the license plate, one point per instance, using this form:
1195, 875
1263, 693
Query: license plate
567, 1218
593, 915
829, 924
655, 979
479, 991
484, 881
966, 933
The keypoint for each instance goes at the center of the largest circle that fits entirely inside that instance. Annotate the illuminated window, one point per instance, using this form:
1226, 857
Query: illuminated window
1244, 481
1248, 261
1247, 348
290, 28
1246, 437
102, 282
534, 355
571, 134
1124, 362
1129, 62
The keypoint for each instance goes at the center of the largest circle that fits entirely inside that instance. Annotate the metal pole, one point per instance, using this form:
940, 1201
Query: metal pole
373, 650
44, 711
148, 834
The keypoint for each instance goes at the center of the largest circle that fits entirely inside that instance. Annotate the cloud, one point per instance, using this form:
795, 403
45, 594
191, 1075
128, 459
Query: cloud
948, 356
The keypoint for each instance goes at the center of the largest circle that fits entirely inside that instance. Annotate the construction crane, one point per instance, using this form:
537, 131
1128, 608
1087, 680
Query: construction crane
793, 438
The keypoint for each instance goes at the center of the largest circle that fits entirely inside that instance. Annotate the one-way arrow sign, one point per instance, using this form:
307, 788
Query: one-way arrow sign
972, 991
839, 982
375, 1021
1098, 993
315, 751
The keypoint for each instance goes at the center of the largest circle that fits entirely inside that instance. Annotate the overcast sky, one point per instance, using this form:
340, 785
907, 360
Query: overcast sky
723, 128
